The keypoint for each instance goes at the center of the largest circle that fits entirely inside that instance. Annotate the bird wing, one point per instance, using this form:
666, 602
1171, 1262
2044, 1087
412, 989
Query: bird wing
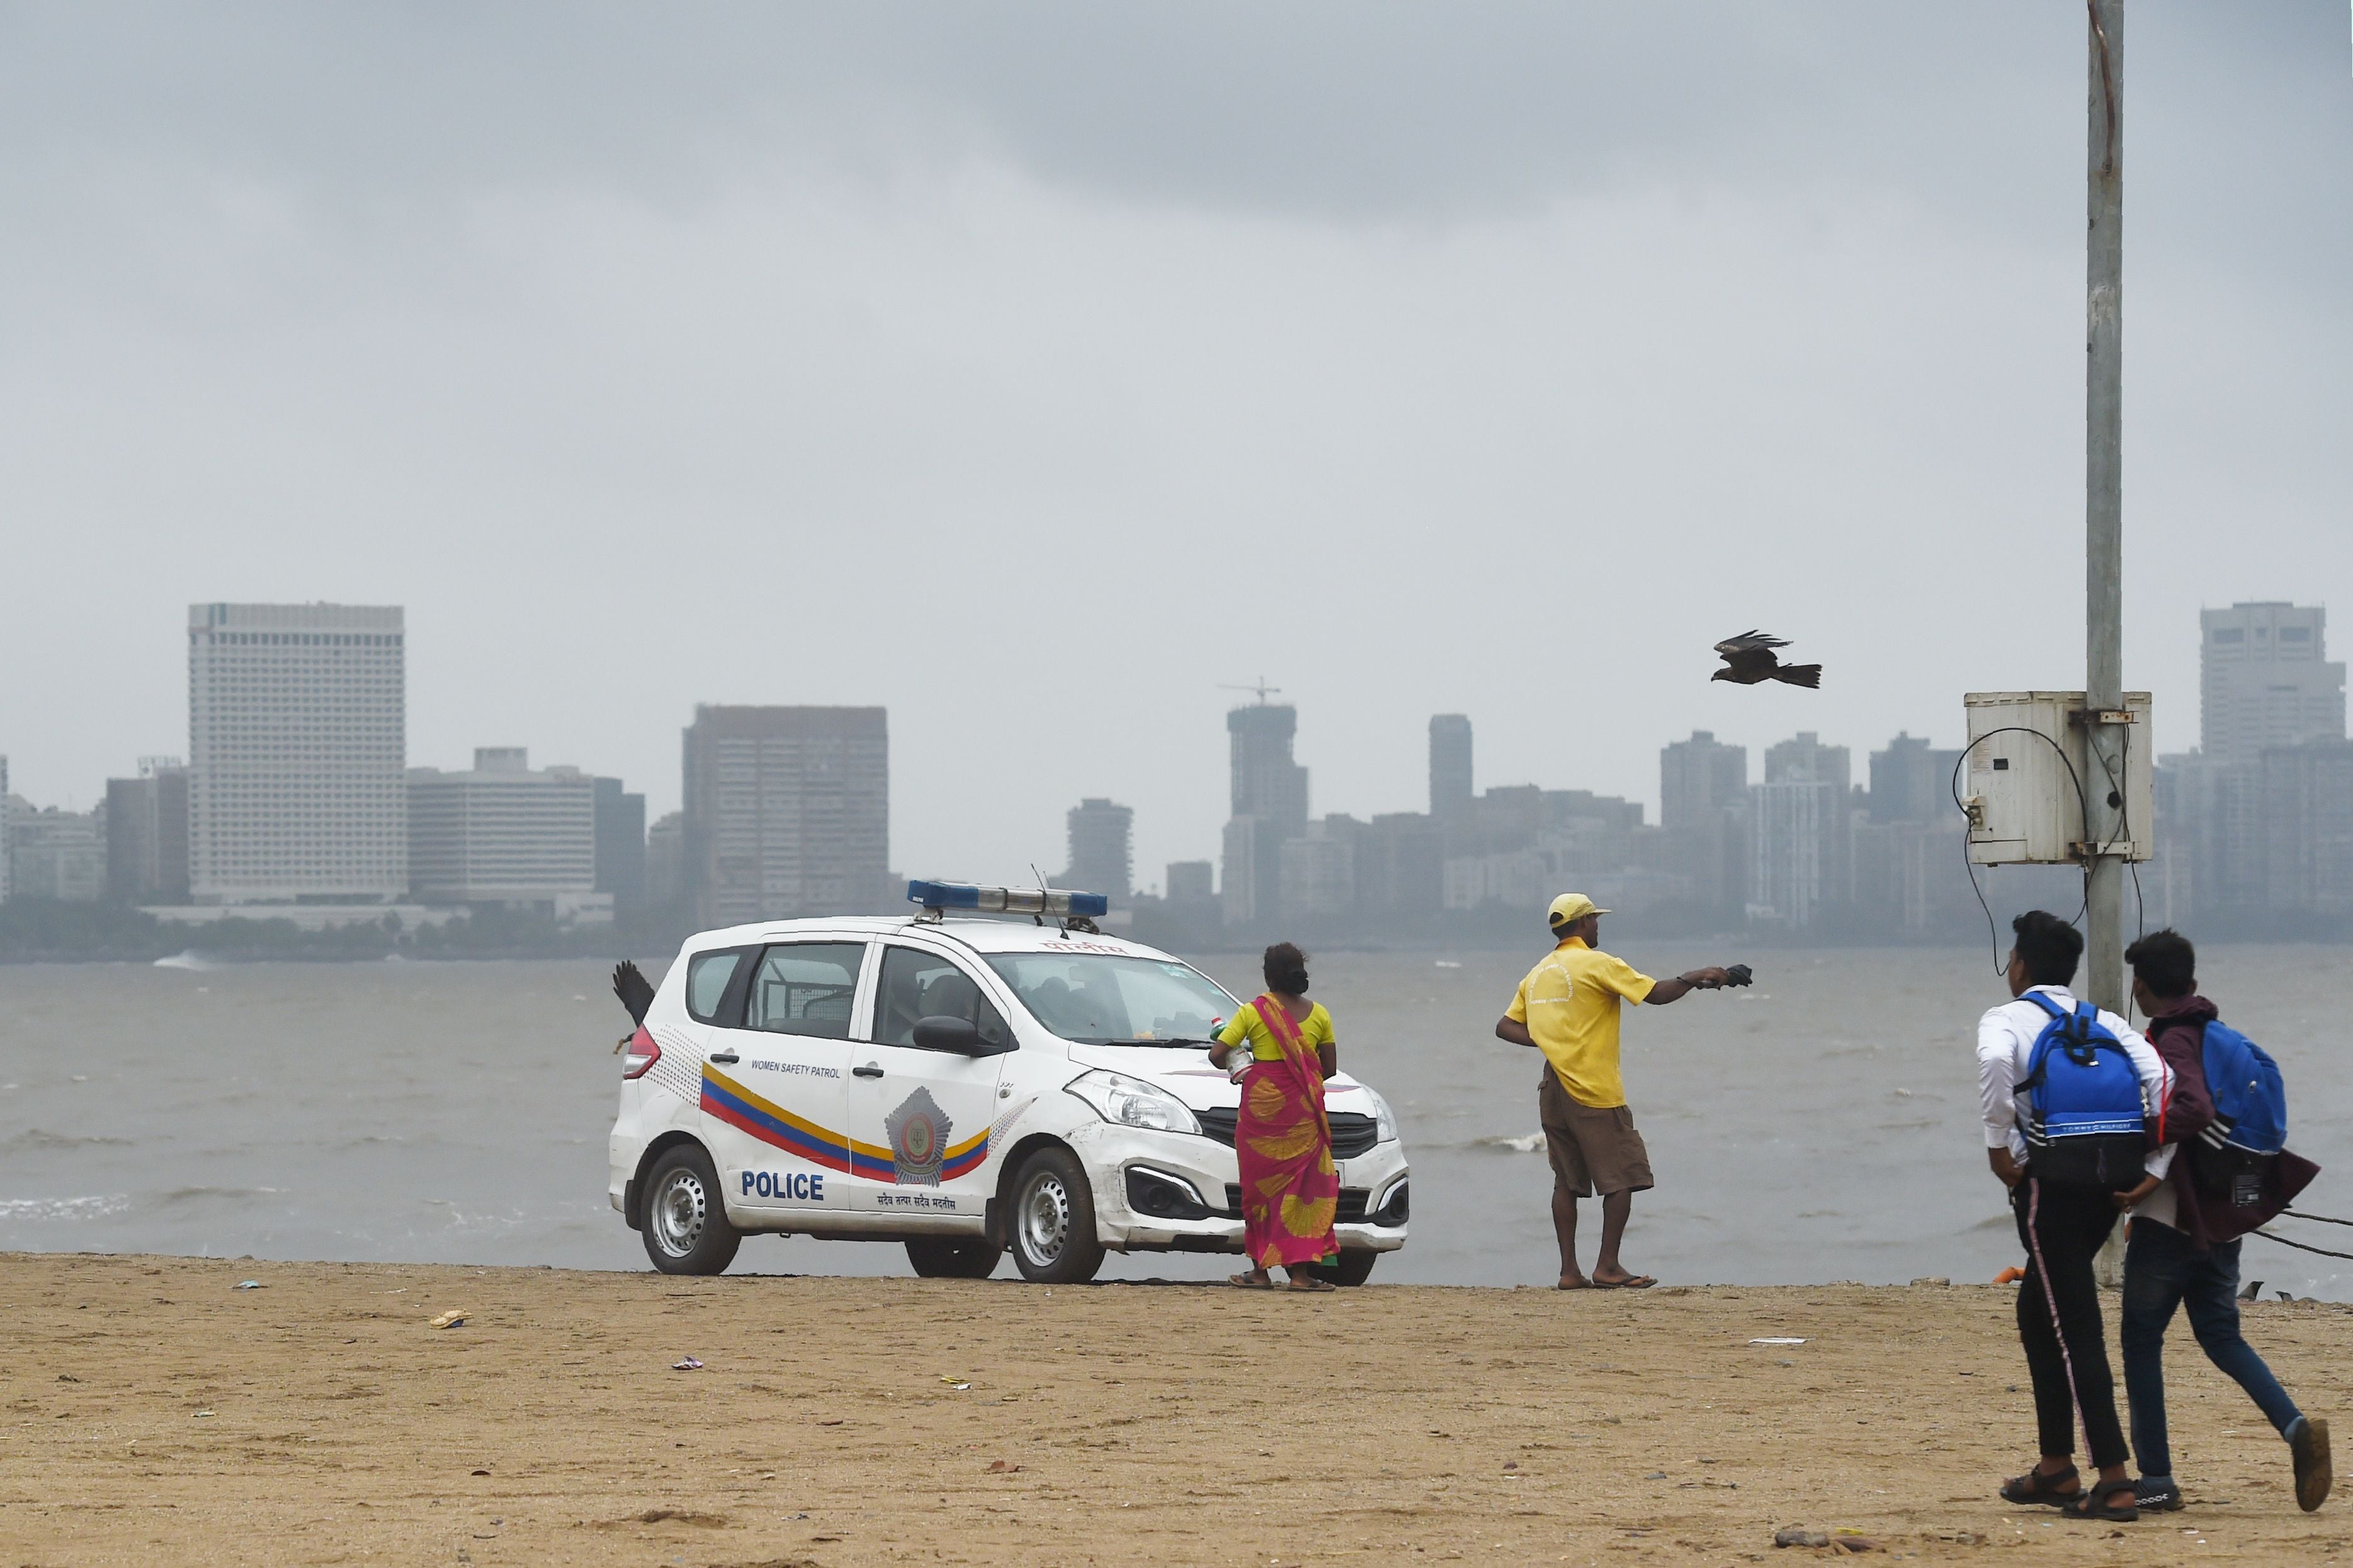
631, 987
1750, 642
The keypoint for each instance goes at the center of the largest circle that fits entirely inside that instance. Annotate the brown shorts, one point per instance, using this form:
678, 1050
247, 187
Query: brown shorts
1592, 1150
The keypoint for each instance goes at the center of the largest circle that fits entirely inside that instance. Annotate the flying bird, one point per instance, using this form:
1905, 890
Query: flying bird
1748, 659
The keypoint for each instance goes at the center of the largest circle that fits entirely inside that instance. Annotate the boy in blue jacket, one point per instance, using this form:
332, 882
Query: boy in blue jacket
2183, 1248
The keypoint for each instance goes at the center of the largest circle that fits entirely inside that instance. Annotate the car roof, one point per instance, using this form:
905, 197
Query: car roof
980, 936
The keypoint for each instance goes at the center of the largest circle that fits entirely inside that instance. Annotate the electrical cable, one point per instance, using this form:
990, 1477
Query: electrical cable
2083, 802
2315, 1219
2300, 1247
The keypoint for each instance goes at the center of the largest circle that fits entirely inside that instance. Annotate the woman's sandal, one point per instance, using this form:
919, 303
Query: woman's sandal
2093, 1503
1310, 1285
2034, 1487
1250, 1283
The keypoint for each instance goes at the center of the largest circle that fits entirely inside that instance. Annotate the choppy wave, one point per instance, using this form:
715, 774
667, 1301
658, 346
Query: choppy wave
98, 1206
191, 960
1530, 1143
41, 1138
199, 1194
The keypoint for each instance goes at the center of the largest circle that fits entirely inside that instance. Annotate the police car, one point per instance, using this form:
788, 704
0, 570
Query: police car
961, 1086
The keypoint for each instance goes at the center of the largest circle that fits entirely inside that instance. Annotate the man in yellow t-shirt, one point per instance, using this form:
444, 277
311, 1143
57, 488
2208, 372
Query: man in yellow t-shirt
1568, 1008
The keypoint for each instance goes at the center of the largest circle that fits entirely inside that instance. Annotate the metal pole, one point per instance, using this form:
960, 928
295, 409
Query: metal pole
2103, 513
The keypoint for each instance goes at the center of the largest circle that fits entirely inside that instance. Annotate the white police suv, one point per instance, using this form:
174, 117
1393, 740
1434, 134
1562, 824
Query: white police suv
960, 1086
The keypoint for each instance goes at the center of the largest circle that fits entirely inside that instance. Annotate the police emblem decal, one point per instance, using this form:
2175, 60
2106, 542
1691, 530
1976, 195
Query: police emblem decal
919, 1139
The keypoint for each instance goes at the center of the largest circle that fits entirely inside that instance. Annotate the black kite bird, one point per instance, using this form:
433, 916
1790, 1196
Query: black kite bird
1748, 659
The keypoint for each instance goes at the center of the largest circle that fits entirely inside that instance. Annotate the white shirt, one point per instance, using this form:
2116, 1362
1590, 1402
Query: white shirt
2006, 1037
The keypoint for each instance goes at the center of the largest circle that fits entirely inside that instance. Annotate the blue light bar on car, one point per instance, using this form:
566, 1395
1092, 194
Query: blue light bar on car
1056, 901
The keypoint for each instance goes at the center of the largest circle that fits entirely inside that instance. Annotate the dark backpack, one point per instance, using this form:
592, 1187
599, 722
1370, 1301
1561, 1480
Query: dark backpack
2236, 1150
2085, 1124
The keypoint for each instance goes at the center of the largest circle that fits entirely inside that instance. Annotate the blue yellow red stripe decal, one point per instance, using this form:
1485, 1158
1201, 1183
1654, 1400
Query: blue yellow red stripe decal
771, 1123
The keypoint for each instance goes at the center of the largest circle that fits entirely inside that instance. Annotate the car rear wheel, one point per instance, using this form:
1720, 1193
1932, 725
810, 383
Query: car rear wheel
938, 1258
1354, 1266
1053, 1216
686, 1227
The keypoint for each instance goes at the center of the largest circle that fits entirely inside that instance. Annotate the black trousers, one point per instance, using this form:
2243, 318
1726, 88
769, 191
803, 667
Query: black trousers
2059, 1318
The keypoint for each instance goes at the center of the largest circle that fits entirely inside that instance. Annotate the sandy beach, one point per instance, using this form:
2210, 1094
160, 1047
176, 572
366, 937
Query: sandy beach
156, 1413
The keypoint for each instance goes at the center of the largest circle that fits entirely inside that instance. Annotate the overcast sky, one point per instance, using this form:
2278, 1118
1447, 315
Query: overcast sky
1034, 370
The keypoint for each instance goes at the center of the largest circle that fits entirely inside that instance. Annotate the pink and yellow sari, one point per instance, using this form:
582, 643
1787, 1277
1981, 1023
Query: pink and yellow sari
1291, 1190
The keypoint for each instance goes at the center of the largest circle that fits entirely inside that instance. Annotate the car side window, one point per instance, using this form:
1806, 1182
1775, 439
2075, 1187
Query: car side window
805, 989
917, 984
707, 974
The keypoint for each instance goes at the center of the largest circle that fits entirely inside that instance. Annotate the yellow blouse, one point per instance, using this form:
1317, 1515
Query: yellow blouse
1315, 1029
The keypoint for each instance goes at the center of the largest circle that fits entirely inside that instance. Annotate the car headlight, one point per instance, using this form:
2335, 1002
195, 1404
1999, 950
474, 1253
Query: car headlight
1385, 1123
1132, 1102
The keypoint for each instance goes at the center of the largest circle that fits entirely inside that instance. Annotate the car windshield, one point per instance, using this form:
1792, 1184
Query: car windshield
1095, 1000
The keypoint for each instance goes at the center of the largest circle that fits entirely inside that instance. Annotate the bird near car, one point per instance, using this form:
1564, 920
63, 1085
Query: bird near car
1750, 658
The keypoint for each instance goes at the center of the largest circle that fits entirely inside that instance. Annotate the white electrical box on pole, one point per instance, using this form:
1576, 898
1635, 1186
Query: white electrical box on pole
2032, 777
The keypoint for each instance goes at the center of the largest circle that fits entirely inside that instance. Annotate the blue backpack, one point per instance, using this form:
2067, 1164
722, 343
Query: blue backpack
2085, 1125
2237, 1149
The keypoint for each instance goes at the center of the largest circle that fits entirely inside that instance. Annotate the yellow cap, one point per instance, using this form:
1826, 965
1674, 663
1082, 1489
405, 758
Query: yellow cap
1570, 908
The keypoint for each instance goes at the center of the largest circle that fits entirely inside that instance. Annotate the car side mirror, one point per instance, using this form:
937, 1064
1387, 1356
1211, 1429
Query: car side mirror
961, 1036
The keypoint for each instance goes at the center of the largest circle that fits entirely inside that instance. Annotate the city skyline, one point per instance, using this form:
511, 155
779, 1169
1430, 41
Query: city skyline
978, 389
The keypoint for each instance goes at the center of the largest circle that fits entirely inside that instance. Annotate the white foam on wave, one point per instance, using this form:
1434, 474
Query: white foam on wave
1533, 1143
190, 959
99, 1207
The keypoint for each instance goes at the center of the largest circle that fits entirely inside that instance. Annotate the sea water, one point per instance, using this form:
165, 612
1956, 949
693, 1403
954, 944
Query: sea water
1821, 1125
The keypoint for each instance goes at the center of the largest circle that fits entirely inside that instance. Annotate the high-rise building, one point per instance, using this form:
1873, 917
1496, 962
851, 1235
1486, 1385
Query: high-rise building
1912, 781
1319, 869
621, 844
2307, 827
1700, 776
4, 815
503, 834
1270, 807
666, 863
147, 833
1790, 822
1451, 785
1101, 857
787, 813
1804, 759
57, 854
297, 753
2264, 681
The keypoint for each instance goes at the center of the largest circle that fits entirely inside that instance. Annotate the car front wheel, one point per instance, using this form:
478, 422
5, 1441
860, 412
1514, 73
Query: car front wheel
687, 1230
1053, 1216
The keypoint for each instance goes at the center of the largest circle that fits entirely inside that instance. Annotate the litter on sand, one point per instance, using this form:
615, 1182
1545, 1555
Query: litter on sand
248, 1284
1777, 1339
686, 1364
448, 1320
958, 1383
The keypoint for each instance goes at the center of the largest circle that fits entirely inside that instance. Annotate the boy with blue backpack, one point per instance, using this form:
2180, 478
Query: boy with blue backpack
2228, 1117
2067, 1091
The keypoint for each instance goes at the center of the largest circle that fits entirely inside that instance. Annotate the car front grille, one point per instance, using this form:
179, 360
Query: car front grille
1352, 1209
1353, 1133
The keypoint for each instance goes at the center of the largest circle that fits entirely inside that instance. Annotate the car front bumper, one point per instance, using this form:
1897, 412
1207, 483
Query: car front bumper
1207, 1169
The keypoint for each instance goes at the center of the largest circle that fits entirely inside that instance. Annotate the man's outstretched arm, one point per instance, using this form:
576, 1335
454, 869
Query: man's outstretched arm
1682, 985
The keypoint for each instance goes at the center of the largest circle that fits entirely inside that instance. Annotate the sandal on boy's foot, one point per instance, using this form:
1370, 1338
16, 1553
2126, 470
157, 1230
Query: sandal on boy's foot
2094, 1503
2034, 1487
2158, 1494
2308, 1441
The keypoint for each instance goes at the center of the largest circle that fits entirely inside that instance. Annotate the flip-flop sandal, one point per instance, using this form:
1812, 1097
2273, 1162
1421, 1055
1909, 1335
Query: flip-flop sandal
1638, 1282
1245, 1282
2093, 1504
1310, 1287
2034, 1487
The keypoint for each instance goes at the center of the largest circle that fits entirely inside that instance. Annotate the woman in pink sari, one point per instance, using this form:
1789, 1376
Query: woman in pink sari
1291, 1189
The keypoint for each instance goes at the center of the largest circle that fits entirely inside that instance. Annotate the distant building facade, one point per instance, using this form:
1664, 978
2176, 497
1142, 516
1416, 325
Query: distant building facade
1192, 883
56, 854
297, 753
787, 813
2264, 681
1102, 850
1268, 796
620, 844
1450, 778
502, 834
666, 862
7, 815
147, 833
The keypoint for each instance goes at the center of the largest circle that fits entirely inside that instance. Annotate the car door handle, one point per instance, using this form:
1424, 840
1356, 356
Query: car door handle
869, 1070
730, 1057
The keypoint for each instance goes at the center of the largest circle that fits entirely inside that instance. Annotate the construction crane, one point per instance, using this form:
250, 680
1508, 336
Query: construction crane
1262, 689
